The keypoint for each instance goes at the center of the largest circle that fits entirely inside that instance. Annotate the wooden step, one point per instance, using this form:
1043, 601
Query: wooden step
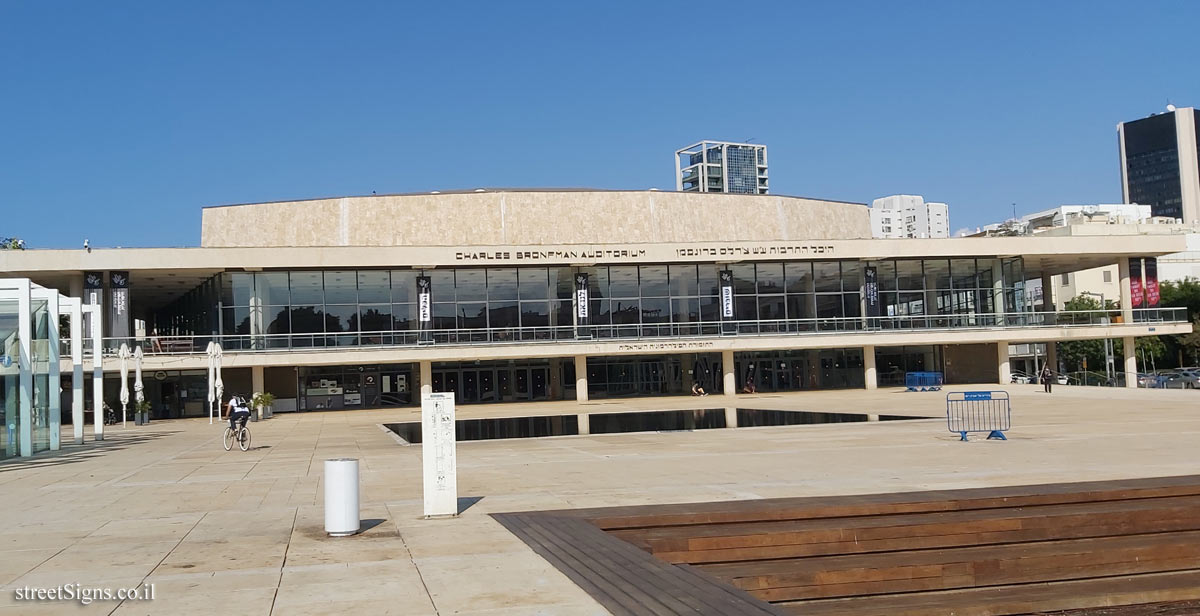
967, 567
1008, 600
644, 516
825, 537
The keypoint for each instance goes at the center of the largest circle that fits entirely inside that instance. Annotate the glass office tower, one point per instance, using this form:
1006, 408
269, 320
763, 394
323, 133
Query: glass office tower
1159, 167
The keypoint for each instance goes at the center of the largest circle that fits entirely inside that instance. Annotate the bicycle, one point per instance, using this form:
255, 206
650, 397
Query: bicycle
241, 436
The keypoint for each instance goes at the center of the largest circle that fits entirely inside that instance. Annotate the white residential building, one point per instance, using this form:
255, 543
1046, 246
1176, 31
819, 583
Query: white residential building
900, 216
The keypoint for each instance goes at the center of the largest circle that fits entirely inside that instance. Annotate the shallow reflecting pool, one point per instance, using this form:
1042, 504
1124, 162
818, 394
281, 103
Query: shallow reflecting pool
643, 421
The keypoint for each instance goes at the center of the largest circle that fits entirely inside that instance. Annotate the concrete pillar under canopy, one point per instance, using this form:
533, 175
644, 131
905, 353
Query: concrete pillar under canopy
870, 375
426, 377
729, 376
1129, 349
1004, 373
581, 381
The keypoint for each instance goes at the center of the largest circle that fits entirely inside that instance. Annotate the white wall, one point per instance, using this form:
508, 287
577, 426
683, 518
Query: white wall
901, 216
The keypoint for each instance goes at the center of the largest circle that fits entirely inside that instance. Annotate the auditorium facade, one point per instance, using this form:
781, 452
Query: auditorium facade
525, 295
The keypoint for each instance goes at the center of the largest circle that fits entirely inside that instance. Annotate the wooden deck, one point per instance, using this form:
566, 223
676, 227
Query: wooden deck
989, 551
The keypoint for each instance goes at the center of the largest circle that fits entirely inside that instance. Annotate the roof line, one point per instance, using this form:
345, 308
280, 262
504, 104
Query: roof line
517, 190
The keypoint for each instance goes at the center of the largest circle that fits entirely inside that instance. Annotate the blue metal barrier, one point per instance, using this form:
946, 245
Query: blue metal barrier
923, 381
979, 411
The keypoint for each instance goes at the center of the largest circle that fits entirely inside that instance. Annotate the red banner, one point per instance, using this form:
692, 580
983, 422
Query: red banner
1152, 295
1136, 292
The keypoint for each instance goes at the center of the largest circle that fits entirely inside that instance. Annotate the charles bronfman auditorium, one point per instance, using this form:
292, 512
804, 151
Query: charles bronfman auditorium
525, 295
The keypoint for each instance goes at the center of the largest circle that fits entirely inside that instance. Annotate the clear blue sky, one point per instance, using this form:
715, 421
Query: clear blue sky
121, 120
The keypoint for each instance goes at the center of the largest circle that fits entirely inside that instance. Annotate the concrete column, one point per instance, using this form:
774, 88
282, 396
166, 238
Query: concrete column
581, 382
1004, 374
25, 371
1048, 304
76, 285
870, 376
426, 376
256, 323
1052, 355
1126, 294
729, 375
96, 317
555, 378
1129, 346
257, 382
998, 304
53, 396
584, 427
731, 417
77, 370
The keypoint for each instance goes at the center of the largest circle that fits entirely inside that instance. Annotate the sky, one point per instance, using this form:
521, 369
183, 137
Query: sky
120, 121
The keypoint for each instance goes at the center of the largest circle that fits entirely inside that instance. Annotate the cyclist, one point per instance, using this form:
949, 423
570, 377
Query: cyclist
239, 411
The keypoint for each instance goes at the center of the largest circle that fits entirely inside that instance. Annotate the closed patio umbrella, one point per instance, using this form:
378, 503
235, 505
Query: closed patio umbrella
219, 384
211, 379
138, 389
123, 353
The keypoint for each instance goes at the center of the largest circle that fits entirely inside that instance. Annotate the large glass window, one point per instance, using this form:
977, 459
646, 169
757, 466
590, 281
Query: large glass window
306, 288
328, 307
374, 286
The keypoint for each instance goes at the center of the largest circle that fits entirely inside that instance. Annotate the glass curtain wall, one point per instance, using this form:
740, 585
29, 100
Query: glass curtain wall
664, 300
892, 363
378, 307
10, 381
40, 350
192, 314
828, 294
766, 371
920, 293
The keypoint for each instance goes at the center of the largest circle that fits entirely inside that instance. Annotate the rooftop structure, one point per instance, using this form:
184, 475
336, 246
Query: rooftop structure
723, 167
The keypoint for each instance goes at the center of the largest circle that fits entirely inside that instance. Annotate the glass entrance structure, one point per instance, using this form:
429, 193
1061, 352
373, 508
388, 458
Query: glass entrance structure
29, 366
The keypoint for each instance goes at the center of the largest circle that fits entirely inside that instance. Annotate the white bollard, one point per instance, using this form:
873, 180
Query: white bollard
341, 497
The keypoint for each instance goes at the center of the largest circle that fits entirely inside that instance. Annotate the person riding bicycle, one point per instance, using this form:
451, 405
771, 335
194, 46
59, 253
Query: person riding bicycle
239, 411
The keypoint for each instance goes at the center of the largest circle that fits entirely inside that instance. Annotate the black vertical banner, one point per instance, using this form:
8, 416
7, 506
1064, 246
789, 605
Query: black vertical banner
727, 313
424, 310
871, 290
582, 300
1152, 291
424, 303
93, 295
726, 295
118, 296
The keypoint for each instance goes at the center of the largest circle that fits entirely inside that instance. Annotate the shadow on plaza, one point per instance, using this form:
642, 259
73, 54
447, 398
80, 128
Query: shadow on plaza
72, 453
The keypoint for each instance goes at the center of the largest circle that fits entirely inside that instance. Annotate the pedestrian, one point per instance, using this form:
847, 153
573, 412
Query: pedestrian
1047, 378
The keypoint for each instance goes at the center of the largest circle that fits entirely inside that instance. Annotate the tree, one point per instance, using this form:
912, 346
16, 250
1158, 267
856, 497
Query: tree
1189, 344
1181, 294
12, 243
1181, 349
1076, 354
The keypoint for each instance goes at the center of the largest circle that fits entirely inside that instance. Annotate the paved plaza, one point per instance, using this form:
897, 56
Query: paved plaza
242, 532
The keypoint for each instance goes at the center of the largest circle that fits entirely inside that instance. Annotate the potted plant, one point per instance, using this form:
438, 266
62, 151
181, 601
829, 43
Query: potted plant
141, 413
262, 402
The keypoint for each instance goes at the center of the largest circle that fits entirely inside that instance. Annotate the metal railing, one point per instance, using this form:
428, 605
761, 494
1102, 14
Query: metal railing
190, 345
979, 411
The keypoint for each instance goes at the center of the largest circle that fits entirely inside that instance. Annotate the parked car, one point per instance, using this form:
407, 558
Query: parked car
1021, 378
1184, 378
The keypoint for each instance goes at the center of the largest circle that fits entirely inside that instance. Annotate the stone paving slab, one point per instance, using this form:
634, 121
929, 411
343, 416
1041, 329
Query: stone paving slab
242, 532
